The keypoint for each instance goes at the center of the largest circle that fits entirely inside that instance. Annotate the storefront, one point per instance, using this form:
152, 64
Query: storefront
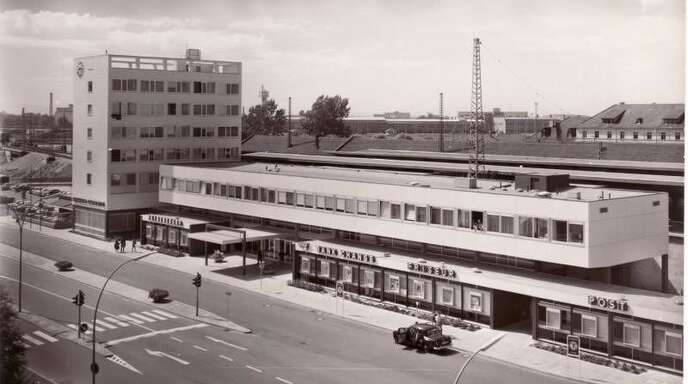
169, 232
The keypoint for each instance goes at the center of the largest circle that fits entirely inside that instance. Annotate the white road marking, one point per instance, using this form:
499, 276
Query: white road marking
100, 329
225, 357
254, 369
239, 347
129, 318
153, 315
141, 317
118, 322
176, 339
163, 354
154, 333
104, 324
200, 348
32, 339
283, 380
163, 313
118, 360
72, 326
45, 336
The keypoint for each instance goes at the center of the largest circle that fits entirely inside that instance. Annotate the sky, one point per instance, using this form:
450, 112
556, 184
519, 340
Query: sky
572, 57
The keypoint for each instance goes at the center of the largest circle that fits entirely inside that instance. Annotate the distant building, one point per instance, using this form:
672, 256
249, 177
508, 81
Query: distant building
65, 113
394, 115
642, 123
131, 113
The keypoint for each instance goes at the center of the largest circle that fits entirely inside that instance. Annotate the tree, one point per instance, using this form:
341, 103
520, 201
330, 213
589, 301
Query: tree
11, 346
264, 119
325, 118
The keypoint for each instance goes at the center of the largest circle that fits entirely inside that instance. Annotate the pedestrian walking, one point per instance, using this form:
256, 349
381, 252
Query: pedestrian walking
133, 245
437, 318
124, 244
116, 245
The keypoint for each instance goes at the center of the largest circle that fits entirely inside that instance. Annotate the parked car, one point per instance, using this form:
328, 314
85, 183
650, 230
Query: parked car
426, 337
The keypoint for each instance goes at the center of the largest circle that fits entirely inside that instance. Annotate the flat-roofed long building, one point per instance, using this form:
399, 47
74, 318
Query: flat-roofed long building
539, 250
133, 112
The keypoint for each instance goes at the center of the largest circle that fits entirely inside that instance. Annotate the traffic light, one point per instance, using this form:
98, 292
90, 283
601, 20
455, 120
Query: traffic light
197, 280
78, 299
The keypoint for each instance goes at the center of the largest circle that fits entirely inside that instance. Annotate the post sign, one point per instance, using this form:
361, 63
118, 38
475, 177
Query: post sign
573, 346
607, 303
340, 288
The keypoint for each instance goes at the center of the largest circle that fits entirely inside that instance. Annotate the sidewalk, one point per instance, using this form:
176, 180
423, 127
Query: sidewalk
513, 348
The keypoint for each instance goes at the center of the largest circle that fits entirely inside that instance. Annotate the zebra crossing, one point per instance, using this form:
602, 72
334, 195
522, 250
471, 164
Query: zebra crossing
37, 338
126, 319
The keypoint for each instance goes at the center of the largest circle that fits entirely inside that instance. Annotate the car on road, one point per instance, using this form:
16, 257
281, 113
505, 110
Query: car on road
424, 336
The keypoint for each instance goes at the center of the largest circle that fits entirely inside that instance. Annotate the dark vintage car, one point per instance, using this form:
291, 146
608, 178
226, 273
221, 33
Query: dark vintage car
427, 337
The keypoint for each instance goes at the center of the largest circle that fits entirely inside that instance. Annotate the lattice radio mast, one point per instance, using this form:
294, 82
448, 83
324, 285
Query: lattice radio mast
476, 132
441, 122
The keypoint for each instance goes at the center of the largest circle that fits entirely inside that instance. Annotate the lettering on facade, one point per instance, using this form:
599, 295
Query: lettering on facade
607, 303
431, 270
358, 256
166, 220
79, 200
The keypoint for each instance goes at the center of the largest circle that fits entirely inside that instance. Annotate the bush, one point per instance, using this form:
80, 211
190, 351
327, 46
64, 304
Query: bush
306, 285
158, 295
64, 266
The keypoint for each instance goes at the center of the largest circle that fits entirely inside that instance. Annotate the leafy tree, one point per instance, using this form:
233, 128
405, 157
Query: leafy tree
11, 347
264, 119
325, 117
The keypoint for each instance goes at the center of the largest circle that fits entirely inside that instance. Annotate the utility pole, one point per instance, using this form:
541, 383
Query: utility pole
197, 283
476, 132
441, 122
289, 126
26, 134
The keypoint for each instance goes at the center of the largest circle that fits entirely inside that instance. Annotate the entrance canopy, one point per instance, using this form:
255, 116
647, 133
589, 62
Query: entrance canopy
225, 237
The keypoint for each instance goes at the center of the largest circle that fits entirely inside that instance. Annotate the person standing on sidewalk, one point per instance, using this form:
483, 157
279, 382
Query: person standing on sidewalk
437, 318
124, 244
133, 245
116, 245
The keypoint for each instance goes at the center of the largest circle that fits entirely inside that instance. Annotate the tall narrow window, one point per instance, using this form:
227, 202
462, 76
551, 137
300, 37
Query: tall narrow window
90, 86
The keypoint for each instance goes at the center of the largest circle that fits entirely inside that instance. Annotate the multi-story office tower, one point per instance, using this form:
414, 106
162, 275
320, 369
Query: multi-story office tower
132, 113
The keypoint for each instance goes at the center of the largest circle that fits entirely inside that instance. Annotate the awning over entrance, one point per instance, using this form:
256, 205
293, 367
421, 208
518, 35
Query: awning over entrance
225, 237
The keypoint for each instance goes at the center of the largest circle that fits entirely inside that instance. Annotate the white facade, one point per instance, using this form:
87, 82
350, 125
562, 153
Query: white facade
621, 228
631, 135
131, 114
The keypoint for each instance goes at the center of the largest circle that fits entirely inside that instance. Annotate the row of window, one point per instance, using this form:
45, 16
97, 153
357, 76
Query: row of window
158, 154
120, 109
173, 131
515, 225
122, 179
157, 86
622, 135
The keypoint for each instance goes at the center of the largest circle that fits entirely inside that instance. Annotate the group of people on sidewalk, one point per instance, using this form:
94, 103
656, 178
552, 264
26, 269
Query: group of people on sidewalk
121, 244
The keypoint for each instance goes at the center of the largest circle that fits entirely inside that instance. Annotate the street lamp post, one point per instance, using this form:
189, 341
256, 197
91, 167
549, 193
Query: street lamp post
94, 366
483, 348
20, 211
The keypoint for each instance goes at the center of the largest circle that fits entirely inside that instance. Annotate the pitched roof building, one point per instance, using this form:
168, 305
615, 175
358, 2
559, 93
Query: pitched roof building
635, 123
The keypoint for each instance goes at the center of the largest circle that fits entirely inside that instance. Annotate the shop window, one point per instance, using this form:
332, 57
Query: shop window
448, 217
553, 318
368, 278
149, 231
673, 343
347, 274
393, 284
631, 335
464, 218
324, 269
589, 325
475, 301
417, 289
447, 297
395, 211
172, 236
575, 233
183, 238
305, 265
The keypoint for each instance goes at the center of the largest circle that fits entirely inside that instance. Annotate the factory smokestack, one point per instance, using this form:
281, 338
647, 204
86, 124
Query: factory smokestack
51, 105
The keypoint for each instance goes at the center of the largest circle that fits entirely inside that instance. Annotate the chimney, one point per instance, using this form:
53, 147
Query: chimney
51, 105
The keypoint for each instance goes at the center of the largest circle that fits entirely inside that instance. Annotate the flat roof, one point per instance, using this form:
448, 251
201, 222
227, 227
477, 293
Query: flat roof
436, 166
642, 303
561, 161
416, 179
224, 237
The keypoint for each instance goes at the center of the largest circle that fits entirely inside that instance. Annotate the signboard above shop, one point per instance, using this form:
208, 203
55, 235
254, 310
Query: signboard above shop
440, 271
336, 251
607, 303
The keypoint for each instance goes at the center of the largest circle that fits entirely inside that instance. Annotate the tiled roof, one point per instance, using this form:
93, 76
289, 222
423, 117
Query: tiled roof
641, 116
573, 122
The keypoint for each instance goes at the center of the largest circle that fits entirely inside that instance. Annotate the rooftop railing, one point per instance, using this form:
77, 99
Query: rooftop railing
175, 64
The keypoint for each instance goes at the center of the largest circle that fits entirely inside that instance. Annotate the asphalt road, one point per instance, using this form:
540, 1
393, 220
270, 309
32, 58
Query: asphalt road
290, 343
